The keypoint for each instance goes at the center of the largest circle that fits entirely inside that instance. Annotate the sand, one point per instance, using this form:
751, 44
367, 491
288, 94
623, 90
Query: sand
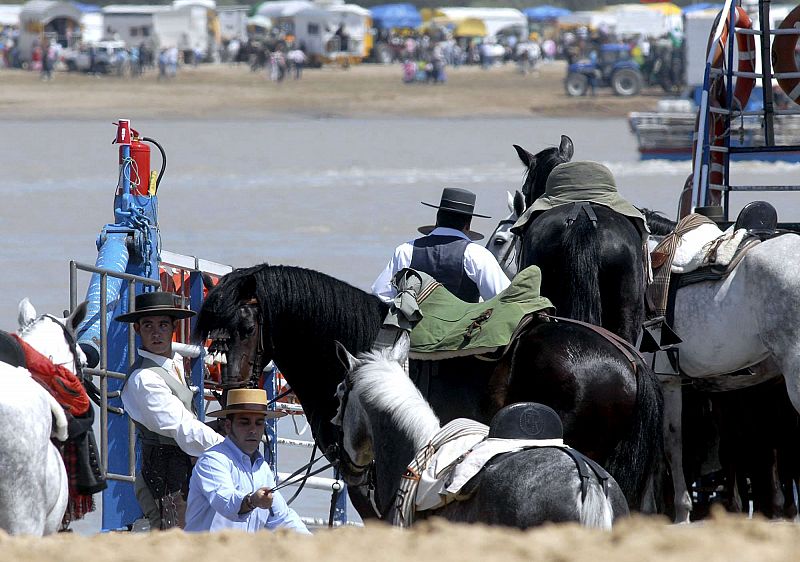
725, 538
223, 91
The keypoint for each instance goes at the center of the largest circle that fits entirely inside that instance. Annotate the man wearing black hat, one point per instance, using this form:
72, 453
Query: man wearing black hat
158, 399
448, 254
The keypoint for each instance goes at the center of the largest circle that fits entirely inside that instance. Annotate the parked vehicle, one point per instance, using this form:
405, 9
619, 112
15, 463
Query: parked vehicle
610, 66
107, 57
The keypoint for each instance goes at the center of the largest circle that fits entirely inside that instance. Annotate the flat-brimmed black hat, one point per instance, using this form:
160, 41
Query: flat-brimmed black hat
156, 303
458, 201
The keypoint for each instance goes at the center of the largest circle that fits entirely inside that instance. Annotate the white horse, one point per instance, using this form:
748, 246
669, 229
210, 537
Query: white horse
504, 244
749, 320
33, 480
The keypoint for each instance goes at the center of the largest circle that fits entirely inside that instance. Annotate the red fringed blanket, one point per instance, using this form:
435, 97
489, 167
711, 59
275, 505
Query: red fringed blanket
57, 379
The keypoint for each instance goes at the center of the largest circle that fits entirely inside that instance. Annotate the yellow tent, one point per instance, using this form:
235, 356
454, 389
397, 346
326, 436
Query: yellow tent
665, 8
470, 27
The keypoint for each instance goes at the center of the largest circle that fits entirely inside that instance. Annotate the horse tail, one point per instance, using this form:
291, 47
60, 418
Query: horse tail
582, 254
639, 456
596, 511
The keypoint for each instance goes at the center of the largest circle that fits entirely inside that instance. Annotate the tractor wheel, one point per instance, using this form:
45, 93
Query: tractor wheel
626, 82
576, 84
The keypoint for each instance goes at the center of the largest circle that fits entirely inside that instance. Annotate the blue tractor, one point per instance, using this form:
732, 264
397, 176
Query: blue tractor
610, 66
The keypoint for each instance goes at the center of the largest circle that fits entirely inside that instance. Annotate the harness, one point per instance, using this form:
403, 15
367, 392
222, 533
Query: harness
575, 211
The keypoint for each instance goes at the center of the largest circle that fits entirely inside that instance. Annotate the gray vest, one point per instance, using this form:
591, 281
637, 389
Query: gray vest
442, 257
178, 389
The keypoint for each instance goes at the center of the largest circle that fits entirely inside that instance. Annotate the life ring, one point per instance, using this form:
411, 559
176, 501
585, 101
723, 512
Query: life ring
746, 46
783, 56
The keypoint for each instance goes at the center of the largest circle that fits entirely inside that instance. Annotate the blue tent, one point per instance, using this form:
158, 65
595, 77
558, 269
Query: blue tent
540, 13
387, 16
87, 8
702, 6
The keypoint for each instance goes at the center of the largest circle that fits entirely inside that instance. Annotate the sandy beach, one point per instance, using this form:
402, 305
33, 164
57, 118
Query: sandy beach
635, 540
368, 90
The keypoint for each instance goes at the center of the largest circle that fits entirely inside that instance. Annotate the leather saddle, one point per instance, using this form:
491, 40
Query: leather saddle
526, 420
10, 351
759, 218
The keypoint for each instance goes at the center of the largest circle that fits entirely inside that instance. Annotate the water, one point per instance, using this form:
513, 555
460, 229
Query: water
335, 195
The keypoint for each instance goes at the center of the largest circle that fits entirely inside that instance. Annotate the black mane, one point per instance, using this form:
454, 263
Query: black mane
536, 175
659, 224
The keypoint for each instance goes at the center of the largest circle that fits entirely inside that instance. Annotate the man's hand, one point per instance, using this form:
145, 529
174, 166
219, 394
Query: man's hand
262, 498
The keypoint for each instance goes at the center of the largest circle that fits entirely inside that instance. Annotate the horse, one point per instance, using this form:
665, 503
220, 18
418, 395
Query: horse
33, 486
592, 266
504, 244
385, 421
611, 407
749, 320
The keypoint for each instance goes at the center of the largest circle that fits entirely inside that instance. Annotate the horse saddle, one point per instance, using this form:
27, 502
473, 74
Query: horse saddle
759, 218
450, 327
526, 420
11, 352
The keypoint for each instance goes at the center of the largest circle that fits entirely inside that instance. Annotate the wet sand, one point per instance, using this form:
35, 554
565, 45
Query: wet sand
635, 540
223, 91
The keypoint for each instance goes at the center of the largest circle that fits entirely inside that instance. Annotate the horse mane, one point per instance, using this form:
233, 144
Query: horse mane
659, 224
383, 384
336, 309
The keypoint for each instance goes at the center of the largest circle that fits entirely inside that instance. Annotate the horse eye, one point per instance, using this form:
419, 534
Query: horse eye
499, 241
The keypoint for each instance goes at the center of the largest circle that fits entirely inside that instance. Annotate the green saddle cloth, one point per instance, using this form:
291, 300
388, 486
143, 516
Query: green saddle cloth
451, 327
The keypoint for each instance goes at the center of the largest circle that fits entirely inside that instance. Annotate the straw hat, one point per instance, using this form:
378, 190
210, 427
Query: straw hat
247, 401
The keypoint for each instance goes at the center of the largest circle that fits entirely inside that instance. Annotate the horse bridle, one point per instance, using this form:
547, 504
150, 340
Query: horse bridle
256, 363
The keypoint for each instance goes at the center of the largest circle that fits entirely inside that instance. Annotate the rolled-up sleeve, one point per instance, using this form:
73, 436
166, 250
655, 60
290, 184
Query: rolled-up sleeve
149, 401
215, 484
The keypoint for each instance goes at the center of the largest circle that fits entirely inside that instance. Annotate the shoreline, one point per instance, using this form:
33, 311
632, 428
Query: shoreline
217, 92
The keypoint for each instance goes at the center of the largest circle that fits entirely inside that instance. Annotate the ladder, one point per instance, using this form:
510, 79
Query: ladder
704, 193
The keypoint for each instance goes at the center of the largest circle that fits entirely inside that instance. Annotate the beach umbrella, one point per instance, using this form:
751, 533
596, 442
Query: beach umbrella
540, 13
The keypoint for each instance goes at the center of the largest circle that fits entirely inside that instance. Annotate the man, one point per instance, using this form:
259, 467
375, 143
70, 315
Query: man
232, 485
159, 401
447, 253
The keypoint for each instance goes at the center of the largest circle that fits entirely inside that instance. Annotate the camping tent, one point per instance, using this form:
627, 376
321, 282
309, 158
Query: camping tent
494, 19
545, 12
389, 16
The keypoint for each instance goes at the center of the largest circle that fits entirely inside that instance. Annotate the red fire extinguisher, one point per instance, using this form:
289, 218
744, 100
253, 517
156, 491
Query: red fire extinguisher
143, 181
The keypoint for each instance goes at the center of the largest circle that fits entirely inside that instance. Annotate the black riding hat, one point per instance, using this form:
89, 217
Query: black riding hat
459, 202
156, 303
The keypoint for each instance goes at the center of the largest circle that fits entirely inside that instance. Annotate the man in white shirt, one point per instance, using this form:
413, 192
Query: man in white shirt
448, 254
158, 399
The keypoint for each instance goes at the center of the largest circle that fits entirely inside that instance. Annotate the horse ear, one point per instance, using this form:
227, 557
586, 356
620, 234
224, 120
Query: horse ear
527, 158
27, 313
400, 348
566, 148
208, 281
347, 360
519, 203
74, 320
510, 201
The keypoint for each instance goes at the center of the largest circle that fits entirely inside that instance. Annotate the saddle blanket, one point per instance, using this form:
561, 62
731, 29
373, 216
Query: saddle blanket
459, 460
706, 245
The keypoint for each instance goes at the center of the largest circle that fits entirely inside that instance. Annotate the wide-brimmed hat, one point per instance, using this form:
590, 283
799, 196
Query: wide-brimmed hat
458, 201
247, 401
156, 303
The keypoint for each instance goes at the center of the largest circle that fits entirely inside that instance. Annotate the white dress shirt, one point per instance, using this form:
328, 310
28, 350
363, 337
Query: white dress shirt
148, 400
479, 265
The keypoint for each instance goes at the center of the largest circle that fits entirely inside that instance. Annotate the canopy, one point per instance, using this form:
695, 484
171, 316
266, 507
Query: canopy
702, 6
540, 13
388, 16
470, 27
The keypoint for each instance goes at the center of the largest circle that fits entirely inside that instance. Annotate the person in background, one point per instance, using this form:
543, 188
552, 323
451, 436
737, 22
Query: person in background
232, 486
448, 253
160, 402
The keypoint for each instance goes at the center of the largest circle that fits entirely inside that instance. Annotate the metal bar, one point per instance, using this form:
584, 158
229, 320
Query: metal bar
73, 286
120, 477
766, 79
131, 361
295, 442
787, 31
767, 149
95, 371
103, 380
314, 482
125, 276
750, 188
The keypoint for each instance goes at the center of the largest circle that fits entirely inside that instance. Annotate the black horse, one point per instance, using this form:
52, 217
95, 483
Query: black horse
592, 268
611, 407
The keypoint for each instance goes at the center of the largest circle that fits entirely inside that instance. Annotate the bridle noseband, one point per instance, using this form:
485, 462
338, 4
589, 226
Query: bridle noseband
257, 360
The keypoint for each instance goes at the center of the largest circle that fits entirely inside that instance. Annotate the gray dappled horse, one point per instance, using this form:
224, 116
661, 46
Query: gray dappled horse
749, 320
33, 480
384, 419
504, 244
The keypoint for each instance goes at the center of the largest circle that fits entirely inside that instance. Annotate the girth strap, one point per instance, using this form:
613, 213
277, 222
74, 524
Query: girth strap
577, 207
629, 351
584, 463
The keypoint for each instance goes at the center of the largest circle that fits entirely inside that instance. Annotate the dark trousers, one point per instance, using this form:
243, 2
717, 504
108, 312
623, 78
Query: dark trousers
165, 474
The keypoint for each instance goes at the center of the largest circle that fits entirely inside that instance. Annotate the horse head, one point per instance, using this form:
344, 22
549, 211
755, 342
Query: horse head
52, 336
503, 244
538, 167
233, 318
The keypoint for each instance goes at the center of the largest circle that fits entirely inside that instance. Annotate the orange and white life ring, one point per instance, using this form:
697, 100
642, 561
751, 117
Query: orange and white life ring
746, 47
783, 56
